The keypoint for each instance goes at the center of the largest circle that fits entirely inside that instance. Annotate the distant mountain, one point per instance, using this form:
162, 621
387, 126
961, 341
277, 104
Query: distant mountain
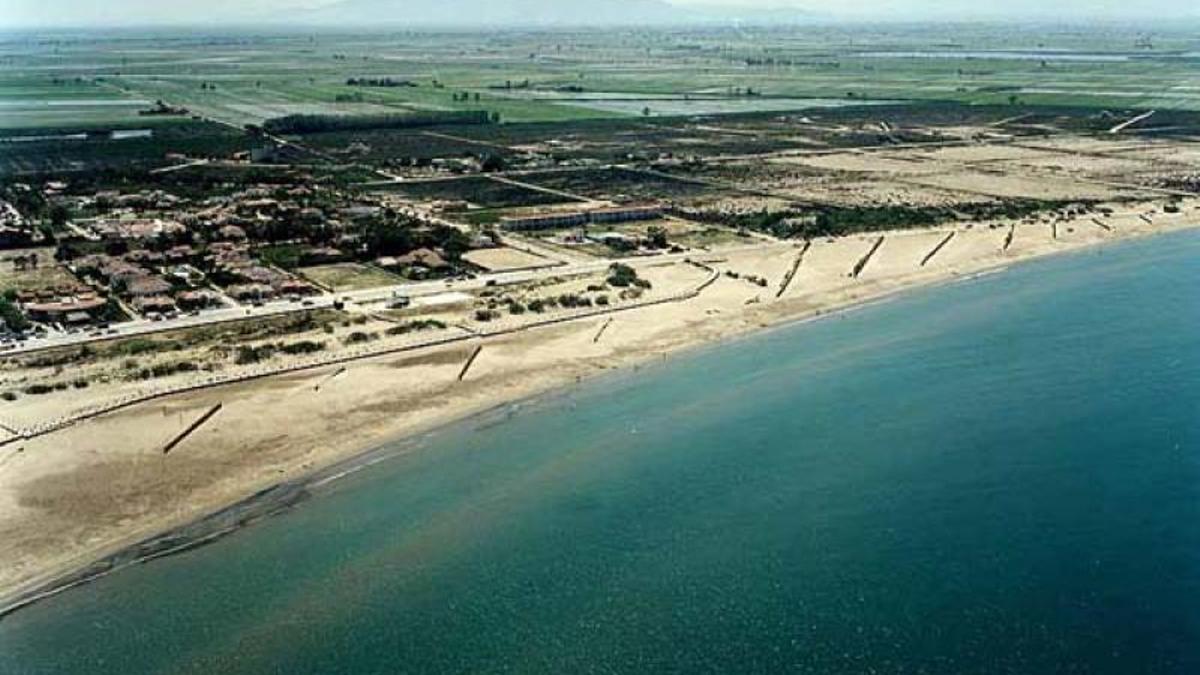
481, 13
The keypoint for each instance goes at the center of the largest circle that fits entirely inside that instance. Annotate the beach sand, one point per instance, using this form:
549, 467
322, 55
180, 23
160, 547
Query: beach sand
76, 495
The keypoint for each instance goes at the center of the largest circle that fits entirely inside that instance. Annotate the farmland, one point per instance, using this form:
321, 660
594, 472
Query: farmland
532, 76
324, 154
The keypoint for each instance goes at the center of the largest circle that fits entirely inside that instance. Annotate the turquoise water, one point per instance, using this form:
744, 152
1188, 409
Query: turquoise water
1000, 476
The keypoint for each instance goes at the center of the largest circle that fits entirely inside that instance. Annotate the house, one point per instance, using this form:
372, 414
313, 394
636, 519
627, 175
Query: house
483, 241
311, 216
321, 255
232, 233
559, 220
10, 217
77, 318
250, 292
357, 214
625, 214
120, 272
187, 274
617, 240
294, 287
147, 286
544, 221
145, 257
155, 304
178, 254
137, 228
58, 310
421, 258
259, 275
189, 300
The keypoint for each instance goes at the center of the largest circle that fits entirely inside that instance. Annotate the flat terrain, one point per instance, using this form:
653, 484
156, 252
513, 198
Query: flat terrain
691, 186
528, 77
349, 276
73, 494
17, 270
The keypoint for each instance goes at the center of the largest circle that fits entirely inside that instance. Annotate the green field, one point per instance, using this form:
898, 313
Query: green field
243, 79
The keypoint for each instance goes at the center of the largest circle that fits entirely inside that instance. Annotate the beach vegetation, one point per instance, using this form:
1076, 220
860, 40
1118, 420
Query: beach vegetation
416, 326
302, 347
621, 275
247, 354
359, 337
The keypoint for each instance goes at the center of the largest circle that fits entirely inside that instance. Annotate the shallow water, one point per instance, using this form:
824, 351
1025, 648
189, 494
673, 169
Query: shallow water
994, 476
999, 55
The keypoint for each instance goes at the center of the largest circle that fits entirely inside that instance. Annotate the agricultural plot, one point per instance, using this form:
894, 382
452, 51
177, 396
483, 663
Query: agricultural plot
18, 271
1016, 186
588, 76
506, 258
478, 191
787, 179
399, 147
709, 236
146, 146
620, 185
688, 106
348, 276
872, 193
624, 141
29, 103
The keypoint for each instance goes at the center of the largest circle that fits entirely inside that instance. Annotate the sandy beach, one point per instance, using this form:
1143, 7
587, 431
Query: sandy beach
93, 488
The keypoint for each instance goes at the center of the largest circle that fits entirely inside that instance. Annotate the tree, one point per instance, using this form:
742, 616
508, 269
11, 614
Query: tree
492, 162
59, 216
657, 237
388, 238
621, 275
12, 316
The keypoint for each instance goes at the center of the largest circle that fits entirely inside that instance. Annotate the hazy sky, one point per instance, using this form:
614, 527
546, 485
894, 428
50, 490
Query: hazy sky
87, 12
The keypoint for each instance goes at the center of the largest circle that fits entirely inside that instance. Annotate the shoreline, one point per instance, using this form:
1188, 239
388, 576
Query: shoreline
281, 496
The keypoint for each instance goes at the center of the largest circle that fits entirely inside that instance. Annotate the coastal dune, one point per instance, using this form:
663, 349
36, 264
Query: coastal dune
91, 489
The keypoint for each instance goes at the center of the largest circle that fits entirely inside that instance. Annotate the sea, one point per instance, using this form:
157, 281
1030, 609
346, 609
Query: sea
997, 475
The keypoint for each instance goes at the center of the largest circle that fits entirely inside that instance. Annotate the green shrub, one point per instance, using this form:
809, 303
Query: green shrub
415, 326
302, 347
12, 316
247, 355
359, 337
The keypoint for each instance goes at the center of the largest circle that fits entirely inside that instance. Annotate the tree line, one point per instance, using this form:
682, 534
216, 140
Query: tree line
312, 124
